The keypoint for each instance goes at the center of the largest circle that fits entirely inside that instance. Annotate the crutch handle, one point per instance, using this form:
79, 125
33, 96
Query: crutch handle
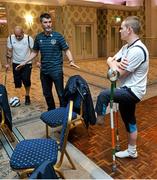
113, 75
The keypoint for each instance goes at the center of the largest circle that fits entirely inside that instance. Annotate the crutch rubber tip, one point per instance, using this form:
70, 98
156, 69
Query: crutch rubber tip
114, 168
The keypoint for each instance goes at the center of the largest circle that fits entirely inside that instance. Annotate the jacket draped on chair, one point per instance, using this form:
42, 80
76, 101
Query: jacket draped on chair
78, 90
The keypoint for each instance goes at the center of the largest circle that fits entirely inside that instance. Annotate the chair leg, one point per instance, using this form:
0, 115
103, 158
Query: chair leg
23, 176
59, 173
47, 131
5, 130
69, 159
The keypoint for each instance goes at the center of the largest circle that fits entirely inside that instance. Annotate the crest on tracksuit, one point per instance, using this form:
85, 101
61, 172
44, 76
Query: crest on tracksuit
53, 41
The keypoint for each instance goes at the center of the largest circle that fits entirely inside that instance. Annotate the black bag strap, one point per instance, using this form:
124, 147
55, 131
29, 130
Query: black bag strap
28, 41
10, 40
145, 56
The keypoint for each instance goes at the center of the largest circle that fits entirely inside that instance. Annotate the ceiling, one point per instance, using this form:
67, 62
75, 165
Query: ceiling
82, 2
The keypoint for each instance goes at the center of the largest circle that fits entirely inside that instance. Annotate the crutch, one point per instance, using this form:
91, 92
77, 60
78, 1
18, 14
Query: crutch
117, 126
112, 76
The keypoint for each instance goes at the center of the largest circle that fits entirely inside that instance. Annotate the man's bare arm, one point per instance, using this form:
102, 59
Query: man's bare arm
8, 58
119, 66
30, 58
70, 57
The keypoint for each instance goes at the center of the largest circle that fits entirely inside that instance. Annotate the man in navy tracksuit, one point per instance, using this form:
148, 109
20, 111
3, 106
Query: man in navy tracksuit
50, 44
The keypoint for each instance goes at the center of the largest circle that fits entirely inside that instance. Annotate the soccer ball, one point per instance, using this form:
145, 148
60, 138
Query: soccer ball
14, 102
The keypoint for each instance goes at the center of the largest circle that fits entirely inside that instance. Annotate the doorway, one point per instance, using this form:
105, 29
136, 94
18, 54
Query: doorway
83, 41
115, 42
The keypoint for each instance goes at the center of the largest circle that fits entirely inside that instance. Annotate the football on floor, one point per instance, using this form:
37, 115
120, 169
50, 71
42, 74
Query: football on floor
14, 102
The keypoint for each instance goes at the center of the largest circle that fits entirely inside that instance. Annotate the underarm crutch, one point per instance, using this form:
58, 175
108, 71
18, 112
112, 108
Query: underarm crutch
112, 76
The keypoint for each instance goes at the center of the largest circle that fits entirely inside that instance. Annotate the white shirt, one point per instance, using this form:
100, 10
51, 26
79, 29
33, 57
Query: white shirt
137, 78
20, 48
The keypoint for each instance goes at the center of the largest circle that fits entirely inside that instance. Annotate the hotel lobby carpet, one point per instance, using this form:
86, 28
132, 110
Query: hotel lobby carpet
97, 145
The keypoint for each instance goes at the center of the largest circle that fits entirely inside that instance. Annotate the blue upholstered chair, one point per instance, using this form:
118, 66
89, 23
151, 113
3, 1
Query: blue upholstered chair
29, 154
76, 89
54, 118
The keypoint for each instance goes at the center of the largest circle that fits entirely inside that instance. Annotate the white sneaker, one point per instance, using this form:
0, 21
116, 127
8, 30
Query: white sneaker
125, 154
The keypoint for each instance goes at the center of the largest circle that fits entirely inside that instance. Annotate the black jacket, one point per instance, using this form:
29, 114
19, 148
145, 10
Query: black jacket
77, 89
4, 105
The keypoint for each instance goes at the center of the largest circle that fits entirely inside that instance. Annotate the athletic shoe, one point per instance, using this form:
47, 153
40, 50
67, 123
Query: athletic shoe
126, 154
27, 100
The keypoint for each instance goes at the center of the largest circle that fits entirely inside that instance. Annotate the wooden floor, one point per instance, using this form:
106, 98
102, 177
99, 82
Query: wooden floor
97, 146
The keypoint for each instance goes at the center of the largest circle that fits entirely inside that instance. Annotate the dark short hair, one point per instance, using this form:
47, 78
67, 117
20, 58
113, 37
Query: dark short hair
44, 15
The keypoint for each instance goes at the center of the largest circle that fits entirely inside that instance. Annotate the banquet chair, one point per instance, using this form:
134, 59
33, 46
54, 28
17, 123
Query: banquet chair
29, 154
54, 118
76, 89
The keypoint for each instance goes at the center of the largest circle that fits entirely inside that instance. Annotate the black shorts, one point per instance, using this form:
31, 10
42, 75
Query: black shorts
22, 76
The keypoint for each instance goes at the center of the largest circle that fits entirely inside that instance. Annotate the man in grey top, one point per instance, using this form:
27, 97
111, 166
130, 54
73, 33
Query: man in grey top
132, 63
19, 47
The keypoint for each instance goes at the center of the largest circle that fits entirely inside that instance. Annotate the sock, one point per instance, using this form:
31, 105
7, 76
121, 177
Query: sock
132, 149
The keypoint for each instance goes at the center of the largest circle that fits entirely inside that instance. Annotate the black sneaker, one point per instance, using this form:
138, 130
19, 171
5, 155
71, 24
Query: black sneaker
27, 100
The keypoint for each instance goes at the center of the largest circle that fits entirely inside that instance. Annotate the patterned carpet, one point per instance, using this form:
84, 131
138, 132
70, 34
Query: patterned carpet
97, 146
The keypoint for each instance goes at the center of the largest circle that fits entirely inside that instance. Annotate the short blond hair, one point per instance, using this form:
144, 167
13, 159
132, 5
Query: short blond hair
134, 23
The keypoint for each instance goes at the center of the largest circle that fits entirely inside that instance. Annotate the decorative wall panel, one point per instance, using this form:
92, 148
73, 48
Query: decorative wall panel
77, 15
16, 13
106, 19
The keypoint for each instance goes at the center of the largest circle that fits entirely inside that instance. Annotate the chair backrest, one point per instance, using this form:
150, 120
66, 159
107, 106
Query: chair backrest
65, 128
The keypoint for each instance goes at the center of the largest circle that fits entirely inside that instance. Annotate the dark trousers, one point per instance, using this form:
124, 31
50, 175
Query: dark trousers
127, 104
47, 81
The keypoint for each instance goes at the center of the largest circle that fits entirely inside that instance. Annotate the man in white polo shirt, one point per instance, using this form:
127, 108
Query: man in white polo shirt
19, 47
132, 63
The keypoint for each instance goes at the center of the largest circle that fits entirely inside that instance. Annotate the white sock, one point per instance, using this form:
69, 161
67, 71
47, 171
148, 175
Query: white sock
132, 149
